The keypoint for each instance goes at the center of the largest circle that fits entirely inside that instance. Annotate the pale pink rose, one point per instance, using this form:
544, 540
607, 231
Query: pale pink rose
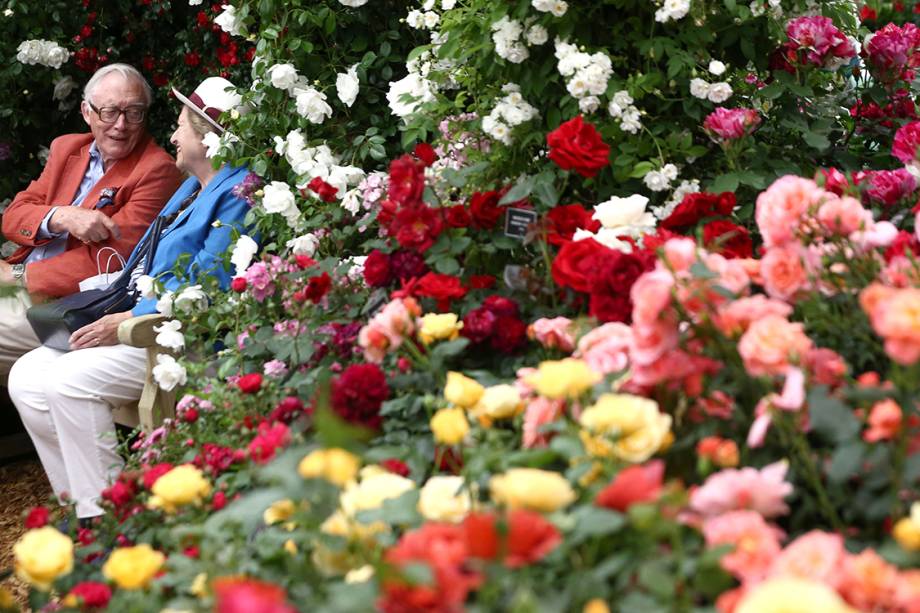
555, 333
756, 542
783, 271
842, 215
373, 340
733, 489
651, 341
651, 294
757, 435
735, 317
814, 555
680, 254
771, 344
825, 366
540, 411
525, 389
793, 395
606, 348
868, 582
781, 207
732, 273
388, 329
875, 234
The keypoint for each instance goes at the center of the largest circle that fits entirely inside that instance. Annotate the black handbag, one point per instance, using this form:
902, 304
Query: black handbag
54, 322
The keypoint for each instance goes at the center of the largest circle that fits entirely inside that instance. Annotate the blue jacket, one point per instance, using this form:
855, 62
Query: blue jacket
193, 233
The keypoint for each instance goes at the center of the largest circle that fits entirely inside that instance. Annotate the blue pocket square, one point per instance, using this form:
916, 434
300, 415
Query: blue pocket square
106, 197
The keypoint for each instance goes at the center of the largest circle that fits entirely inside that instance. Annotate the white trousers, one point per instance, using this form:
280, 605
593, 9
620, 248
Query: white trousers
16, 335
65, 401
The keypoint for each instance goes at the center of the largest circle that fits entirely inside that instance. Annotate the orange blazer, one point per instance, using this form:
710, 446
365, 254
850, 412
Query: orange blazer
141, 182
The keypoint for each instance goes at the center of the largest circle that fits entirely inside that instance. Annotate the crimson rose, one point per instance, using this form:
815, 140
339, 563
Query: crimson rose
576, 145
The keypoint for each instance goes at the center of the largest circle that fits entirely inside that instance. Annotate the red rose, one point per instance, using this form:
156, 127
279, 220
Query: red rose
190, 415
481, 281
119, 493
407, 265
576, 262
377, 269
425, 153
903, 242
37, 518
238, 284
250, 384
91, 594
612, 281
417, 227
358, 393
457, 216
479, 324
528, 537
407, 181
192, 59
501, 306
326, 192
607, 308
269, 439
510, 334
632, 485
155, 472
287, 410
563, 220
217, 459
653, 242
240, 595
442, 288
696, 206
485, 210
395, 466
219, 500
317, 286
727, 238
577, 145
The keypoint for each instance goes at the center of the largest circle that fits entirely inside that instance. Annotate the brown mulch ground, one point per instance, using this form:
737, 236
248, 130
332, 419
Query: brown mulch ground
23, 485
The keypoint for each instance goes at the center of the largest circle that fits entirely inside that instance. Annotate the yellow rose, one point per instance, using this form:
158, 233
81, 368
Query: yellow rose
792, 595
439, 327
567, 378
199, 585
637, 429
462, 391
907, 530
334, 465
133, 567
449, 426
372, 491
41, 556
360, 575
6, 599
532, 488
279, 511
291, 547
444, 498
499, 402
182, 485
596, 605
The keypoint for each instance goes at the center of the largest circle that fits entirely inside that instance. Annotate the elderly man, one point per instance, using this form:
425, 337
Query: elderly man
97, 190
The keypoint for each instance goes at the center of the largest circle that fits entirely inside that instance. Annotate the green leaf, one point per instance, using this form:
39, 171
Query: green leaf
592, 522
817, 141
724, 183
449, 349
830, 418
845, 462
641, 169
520, 190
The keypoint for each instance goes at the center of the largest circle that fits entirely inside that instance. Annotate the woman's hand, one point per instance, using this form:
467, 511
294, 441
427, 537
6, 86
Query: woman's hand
100, 333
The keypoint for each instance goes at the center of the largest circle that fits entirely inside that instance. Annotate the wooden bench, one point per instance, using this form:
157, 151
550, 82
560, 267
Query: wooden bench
154, 405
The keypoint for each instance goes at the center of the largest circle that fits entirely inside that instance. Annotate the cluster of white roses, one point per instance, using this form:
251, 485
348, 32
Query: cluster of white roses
686, 187
621, 107
512, 37
672, 10
587, 74
620, 218
44, 52
427, 18
229, 21
311, 103
556, 7
511, 111
716, 93
413, 90
660, 180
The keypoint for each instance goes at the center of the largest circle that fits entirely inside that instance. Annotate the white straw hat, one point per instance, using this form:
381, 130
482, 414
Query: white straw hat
212, 97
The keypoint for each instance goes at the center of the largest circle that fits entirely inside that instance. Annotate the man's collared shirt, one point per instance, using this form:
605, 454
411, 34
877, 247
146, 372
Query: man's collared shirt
58, 244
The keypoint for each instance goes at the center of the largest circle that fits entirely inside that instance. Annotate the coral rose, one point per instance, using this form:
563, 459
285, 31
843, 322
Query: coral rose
771, 344
632, 485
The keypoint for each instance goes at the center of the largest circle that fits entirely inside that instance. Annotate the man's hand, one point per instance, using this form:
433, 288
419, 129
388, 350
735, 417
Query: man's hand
102, 332
6, 274
87, 225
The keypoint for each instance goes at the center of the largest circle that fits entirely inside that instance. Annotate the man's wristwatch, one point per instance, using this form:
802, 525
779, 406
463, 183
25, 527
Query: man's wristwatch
19, 273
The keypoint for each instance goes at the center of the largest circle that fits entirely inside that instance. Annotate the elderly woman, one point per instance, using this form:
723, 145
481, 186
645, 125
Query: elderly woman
65, 399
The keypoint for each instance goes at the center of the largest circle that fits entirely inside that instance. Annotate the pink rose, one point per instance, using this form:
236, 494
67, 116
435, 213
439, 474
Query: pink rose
771, 344
783, 271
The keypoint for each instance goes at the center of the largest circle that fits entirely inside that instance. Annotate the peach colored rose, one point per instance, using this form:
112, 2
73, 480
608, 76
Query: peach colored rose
868, 582
652, 340
732, 273
680, 254
771, 343
736, 316
388, 328
555, 333
884, 421
756, 542
651, 294
606, 348
781, 207
907, 593
825, 366
843, 215
539, 412
895, 316
815, 555
783, 271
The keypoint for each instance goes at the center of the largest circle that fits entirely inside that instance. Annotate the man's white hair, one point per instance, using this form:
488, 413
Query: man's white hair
126, 71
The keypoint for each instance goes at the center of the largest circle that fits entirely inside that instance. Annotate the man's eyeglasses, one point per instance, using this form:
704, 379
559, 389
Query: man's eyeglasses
110, 114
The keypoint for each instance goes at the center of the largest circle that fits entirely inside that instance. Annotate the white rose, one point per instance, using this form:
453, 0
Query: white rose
228, 21
413, 86
716, 67
311, 103
283, 76
669, 171
346, 85
444, 498
242, 254
304, 245
448, 4
191, 298
194, 2
63, 87
589, 104
699, 89
212, 141
537, 35
145, 285
168, 373
617, 211
611, 238
169, 335
353, 3
720, 92
165, 304
431, 19
277, 197
559, 8
656, 181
